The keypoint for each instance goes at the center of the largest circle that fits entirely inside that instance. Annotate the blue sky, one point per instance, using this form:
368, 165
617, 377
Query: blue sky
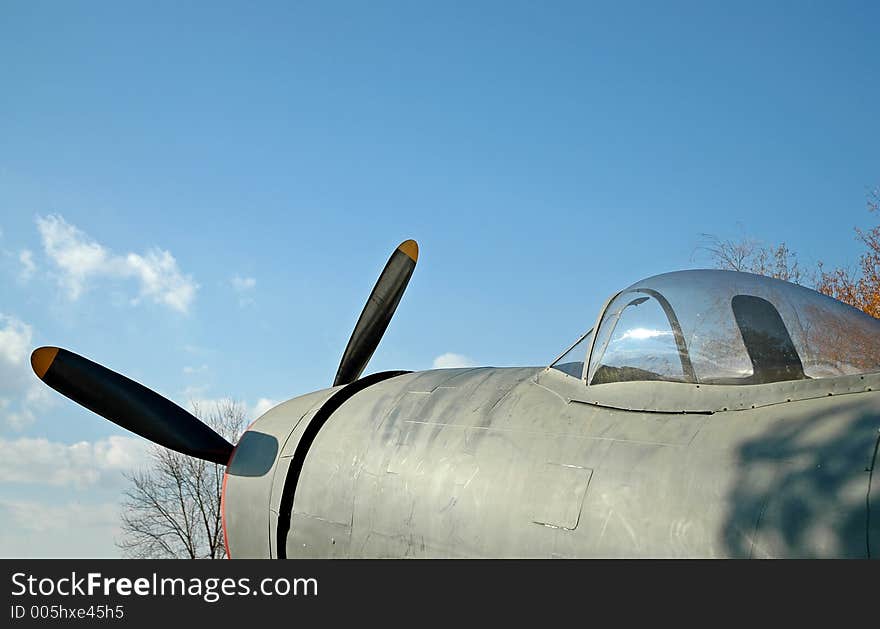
201, 197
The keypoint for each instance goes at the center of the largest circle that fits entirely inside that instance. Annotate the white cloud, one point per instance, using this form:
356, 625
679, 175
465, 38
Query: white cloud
189, 370
195, 398
244, 287
37, 398
21, 394
36, 516
75, 254
242, 284
451, 360
15, 341
80, 465
161, 280
58, 528
262, 406
28, 267
80, 259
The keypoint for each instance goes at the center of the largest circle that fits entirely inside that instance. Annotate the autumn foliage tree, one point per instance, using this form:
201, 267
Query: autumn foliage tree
862, 288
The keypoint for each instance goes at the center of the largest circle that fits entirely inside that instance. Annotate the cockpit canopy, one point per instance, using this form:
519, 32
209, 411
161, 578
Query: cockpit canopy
723, 327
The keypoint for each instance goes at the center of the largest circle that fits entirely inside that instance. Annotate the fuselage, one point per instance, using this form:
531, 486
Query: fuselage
523, 462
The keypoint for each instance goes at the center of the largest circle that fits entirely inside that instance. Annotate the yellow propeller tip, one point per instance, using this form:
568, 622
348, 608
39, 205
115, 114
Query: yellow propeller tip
42, 358
411, 249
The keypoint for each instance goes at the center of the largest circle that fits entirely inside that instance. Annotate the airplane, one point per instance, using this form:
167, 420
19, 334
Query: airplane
704, 414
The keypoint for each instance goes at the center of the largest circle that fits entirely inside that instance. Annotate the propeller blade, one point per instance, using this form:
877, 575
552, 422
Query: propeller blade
128, 404
377, 312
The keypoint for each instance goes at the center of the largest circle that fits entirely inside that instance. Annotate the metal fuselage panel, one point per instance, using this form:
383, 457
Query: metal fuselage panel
488, 463
249, 521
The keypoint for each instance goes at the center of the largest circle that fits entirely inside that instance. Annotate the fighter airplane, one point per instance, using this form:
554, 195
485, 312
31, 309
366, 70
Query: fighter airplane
704, 414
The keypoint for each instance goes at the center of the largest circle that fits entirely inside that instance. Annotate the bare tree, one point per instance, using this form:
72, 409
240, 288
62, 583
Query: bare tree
859, 288
172, 509
752, 256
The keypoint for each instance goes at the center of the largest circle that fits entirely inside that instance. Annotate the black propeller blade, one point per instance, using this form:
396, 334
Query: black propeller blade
377, 312
128, 404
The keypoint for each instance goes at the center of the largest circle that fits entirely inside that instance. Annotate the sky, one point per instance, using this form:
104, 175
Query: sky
202, 196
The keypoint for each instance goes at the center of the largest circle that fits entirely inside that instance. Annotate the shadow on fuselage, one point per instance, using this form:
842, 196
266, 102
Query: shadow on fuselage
803, 487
